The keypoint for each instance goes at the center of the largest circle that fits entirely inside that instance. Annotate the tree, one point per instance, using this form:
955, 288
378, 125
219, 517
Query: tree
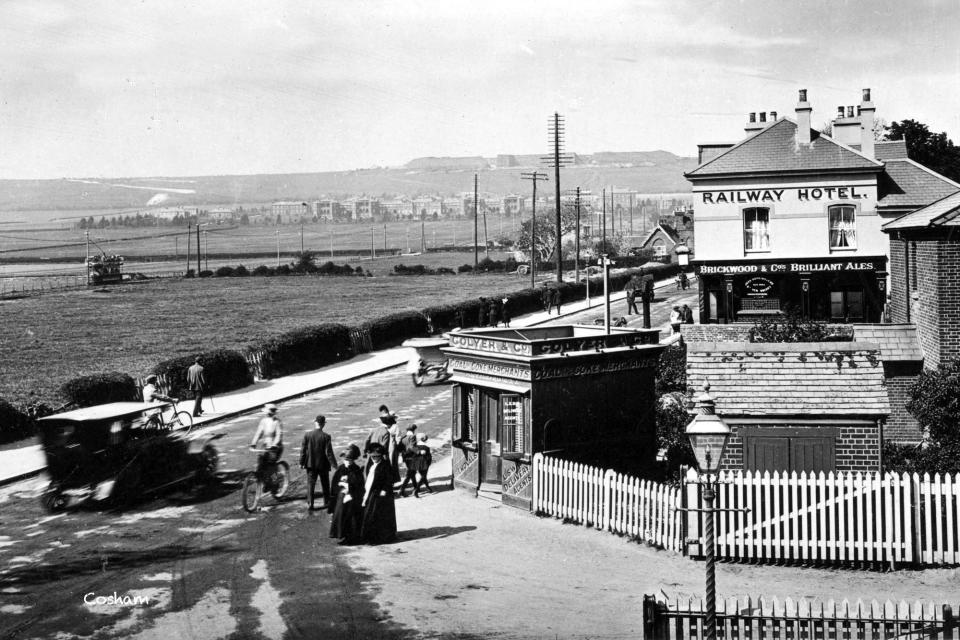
933, 150
546, 232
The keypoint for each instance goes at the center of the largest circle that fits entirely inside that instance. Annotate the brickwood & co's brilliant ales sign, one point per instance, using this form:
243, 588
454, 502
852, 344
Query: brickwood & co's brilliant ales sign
800, 194
800, 266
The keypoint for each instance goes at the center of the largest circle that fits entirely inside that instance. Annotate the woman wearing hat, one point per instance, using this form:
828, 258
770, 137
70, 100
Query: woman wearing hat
379, 511
270, 433
345, 507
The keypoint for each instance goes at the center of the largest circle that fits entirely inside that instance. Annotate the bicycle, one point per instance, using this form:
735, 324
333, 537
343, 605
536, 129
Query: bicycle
177, 420
269, 476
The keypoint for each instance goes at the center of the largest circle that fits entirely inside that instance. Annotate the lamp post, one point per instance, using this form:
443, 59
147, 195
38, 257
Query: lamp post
708, 435
605, 262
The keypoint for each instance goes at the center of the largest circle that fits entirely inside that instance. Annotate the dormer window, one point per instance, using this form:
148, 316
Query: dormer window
756, 229
843, 226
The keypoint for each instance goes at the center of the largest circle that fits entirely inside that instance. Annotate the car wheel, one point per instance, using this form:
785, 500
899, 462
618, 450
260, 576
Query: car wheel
53, 500
209, 460
281, 480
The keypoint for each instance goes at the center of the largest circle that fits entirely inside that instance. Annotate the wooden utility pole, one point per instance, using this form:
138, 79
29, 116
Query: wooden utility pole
534, 176
576, 255
557, 159
188, 249
198, 249
476, 260
603, 200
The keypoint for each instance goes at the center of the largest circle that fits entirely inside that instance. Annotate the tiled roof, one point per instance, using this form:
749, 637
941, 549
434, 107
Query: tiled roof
776, 149
897, 342
666, 230
890, 150
904, 183
944, 212
808, 379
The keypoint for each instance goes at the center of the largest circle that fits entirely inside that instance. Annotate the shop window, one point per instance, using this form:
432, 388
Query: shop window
756, 229
843, 226
514, 424
846, 305
464, 413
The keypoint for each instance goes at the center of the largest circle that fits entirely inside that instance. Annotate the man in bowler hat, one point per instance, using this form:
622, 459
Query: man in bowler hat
316, 456
198, 384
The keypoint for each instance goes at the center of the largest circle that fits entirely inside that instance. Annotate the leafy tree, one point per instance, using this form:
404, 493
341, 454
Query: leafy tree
935, 403
544, 237
933, 150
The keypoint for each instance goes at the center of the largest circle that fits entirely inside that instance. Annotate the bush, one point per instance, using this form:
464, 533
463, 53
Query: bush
393, 329
263, 270
224, 272
241, 272
330, 269
672, 441
224, 370
465, 268
206, 273
304, 349
283, 270
14, 424
672, 369
935, 403
911, 458
189, 273
796, 329
100, 388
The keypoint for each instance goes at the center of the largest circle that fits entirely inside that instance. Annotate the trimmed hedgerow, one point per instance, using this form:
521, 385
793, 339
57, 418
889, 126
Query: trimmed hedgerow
391, 330
100, 388
304, 349
224, 272
224, 370
14, 424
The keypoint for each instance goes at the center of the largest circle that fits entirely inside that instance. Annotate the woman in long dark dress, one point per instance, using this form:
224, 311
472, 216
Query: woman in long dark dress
379, 511
347, 485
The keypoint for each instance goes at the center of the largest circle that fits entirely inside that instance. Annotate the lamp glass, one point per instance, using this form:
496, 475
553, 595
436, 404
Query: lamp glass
708, 449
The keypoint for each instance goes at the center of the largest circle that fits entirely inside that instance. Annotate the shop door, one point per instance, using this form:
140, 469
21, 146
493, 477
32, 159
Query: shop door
490, 435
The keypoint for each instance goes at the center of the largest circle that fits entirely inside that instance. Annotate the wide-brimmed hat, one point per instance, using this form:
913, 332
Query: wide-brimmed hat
351, 453
270, 409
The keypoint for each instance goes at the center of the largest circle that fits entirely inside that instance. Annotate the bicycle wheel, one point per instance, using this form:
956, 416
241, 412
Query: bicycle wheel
281, 479
181, 420
252, 490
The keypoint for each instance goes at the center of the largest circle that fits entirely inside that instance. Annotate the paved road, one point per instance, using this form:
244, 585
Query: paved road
666, 298
207, 568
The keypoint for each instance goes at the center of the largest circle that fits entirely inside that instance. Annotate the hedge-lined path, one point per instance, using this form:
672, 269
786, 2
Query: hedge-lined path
27, 461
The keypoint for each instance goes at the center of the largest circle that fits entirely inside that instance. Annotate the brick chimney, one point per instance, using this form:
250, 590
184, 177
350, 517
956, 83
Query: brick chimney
752, 125
866, 125
803, 118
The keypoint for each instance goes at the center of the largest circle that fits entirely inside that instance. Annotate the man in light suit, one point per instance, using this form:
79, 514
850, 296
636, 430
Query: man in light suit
198, 384
316, 456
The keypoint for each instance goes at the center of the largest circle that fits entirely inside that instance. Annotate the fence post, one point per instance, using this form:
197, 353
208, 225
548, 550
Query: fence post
536, 469
692, 490
949, 624
607, 510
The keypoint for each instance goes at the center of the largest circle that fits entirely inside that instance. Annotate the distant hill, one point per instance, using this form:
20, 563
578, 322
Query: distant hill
649, 172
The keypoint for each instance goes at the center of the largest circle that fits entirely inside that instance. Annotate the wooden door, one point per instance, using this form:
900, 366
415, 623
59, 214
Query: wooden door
491, 437
766, 453
811, 454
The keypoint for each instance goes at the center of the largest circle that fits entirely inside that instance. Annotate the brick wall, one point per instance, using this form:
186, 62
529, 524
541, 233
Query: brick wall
899, 293
900, 425
857, 447
716, 332
949, 295
925, 301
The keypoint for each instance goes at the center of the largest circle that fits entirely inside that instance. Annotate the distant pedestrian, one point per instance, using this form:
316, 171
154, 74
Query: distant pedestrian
684, 280
316, 456
494, 312
555, 300
379, 512
461, 318
687, 314
675, 320
679, 282
380, 434
421, 464
482, 313
545, 298
346, 506
409, 453
631, 291
197, 383
505, 312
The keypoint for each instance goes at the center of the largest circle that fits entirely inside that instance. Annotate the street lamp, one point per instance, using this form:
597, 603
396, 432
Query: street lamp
708, 435
605, 262
683, 254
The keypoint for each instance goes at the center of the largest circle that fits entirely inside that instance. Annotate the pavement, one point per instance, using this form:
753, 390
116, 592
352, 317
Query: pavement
16, 464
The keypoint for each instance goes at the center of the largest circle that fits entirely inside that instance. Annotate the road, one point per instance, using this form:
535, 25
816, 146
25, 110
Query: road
666, 299
206, 568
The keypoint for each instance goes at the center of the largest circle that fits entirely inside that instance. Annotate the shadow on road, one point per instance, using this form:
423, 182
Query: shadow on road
432, 532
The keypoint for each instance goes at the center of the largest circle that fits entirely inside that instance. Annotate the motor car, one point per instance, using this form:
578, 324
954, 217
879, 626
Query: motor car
122, 443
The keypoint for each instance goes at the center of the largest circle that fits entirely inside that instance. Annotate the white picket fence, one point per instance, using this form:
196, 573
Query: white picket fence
607, 500
832, 518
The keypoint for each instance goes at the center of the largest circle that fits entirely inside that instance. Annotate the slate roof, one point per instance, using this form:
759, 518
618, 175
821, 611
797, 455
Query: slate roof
942, 213
797, 379
775, 149
905, 183
897, 342
889, 150
664, 228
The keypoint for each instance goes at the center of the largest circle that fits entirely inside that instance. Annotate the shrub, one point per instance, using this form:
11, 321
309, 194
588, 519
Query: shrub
14, 424
304, 263
263, 270
796, 329
444, 271
206, 273
391, 330
465, 268
911, 458
283, 270
241, 272
672, 441
330, 269
100, 388
304, 349
189, 273
224, 370
672, 369
935, 403
224, 272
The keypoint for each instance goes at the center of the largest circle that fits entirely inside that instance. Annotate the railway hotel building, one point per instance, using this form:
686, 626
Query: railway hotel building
791, 218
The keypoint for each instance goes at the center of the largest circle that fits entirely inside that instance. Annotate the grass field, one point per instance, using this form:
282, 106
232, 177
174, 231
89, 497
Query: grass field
48, 339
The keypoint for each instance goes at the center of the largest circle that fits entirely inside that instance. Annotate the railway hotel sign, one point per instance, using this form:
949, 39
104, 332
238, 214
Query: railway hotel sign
803, 194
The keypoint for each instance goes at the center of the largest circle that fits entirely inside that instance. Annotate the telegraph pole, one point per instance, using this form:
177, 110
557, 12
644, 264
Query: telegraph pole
576, 256
534, 176
555, 129
278, 247
86, 263
198, 249
603, 199
476, 261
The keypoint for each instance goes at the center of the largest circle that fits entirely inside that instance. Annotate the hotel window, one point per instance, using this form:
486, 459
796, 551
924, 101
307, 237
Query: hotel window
843, 226
756, 229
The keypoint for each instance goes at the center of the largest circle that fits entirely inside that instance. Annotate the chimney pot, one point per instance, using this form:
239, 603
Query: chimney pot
773, 116
803, 119
763, 116
803, 95
858, 110
850, 111
840, 111
866, 95
753, 117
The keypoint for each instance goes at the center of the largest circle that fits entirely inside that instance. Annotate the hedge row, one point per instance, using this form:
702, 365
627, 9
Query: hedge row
309, 348
14, 424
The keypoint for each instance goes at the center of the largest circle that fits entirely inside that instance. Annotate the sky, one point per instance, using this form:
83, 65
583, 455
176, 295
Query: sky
172, 88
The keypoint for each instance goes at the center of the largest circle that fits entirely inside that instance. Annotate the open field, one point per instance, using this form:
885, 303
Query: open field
48, 339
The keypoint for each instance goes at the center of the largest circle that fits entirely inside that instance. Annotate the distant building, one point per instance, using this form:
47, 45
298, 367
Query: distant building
513, 205
286, 212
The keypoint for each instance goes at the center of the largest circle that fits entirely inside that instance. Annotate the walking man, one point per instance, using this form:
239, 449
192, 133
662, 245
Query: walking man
631, 290
555, 300
198, 384
316, 456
